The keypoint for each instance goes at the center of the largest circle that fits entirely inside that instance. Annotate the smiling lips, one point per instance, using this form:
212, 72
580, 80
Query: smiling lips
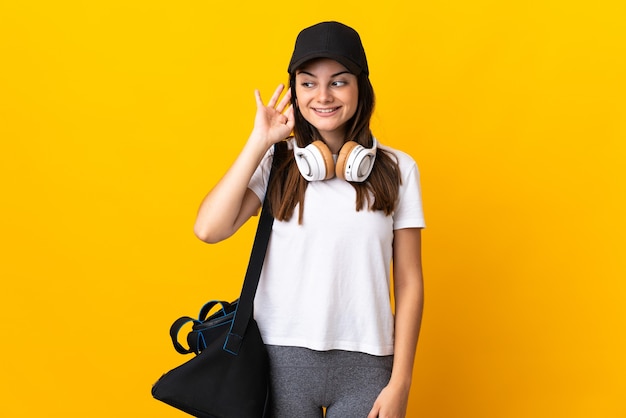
326, 111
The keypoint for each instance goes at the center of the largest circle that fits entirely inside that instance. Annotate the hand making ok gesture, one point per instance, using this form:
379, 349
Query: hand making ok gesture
275, 121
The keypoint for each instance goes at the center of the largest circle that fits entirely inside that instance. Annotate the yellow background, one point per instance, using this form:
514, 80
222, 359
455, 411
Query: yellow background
116, 117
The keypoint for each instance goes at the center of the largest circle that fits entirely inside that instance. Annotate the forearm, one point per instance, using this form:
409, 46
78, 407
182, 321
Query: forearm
230, 204
393, 400
408, 317
223, 209
409, 301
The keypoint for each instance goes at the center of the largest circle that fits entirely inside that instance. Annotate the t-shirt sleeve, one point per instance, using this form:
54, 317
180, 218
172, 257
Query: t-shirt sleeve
409, 212
258, 182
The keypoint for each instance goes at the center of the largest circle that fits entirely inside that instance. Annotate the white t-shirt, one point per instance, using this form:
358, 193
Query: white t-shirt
325, 283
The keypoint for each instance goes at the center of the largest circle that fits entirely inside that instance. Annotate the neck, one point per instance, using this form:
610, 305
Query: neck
334, 140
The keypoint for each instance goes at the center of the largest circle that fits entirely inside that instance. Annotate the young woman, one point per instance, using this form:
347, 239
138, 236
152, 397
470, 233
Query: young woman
346, 208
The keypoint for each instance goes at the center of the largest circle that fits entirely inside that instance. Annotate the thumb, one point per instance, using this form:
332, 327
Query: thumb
374, 412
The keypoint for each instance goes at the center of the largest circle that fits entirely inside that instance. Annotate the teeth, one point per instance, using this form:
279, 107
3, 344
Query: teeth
325, 110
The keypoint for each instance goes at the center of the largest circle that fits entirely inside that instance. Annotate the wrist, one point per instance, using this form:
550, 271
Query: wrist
258, 142
402, 383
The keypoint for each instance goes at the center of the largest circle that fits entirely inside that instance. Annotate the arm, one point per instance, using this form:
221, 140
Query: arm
409, 298
230, 203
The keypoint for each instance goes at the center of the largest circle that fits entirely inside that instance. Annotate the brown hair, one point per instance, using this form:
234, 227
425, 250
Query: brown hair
379, 191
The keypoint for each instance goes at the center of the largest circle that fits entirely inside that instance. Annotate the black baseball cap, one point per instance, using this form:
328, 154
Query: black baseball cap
332, 40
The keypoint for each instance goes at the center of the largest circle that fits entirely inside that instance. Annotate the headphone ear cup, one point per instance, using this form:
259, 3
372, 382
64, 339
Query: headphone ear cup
315, 161
342, 158
327, 158
355, 162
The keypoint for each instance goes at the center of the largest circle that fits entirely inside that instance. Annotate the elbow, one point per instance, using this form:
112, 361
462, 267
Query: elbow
202, 236
207, 235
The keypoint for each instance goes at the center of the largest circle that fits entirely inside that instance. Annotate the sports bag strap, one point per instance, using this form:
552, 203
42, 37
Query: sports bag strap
174, 329
253, 273
204, 311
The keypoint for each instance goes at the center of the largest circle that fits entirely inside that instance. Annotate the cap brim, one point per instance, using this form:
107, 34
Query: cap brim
350, 65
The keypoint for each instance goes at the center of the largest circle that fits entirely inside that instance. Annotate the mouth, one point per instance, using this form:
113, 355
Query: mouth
326, 110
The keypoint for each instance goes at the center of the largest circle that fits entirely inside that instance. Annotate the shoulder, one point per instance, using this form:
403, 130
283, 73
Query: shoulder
405, 161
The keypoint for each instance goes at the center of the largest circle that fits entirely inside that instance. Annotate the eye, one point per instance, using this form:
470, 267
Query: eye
307, 84
339, 83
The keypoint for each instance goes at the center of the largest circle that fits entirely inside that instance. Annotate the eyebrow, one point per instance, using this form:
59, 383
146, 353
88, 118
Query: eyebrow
334, 75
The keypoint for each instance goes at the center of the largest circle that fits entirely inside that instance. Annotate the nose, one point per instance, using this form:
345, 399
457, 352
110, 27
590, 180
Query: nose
324, 94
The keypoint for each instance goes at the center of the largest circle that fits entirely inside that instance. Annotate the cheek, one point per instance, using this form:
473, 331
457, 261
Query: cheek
300, 99
301, 104
354, 103
352, 97
303, 110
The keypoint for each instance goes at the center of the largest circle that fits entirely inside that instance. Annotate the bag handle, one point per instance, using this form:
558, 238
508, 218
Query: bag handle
253, 273
176, 326
180, 322
204, 311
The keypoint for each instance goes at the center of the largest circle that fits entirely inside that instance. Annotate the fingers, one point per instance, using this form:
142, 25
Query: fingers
276, 95
257, 97
290, 118
284, 102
